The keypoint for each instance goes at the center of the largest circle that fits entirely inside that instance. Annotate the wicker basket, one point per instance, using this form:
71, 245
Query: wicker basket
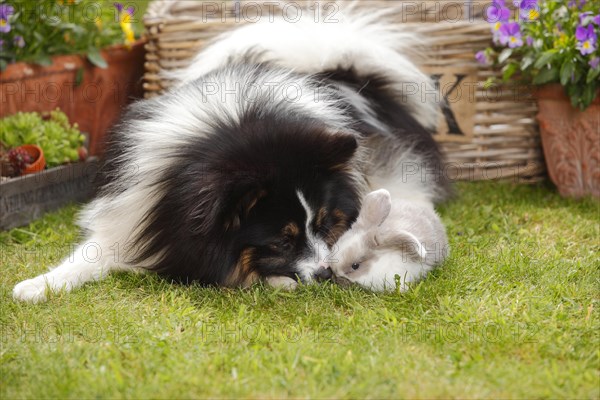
498, 136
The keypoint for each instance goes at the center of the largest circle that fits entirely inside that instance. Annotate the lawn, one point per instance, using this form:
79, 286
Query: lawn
514, 313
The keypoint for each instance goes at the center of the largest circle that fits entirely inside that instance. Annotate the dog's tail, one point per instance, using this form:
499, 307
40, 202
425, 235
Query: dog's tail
350, 39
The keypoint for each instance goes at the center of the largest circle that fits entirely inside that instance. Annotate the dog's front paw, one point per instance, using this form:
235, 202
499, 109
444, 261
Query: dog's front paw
282, 282
31, 290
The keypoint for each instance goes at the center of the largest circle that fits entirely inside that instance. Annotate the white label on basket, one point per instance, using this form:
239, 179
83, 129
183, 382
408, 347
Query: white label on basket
456, 94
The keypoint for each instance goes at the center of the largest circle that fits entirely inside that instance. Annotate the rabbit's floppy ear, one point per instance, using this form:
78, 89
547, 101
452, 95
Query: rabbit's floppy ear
375, 209
403, 241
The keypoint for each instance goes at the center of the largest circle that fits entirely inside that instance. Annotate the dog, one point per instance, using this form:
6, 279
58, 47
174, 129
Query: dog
255, 163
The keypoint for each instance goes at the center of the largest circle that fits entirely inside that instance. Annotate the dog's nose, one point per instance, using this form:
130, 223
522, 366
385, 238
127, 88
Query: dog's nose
323, 273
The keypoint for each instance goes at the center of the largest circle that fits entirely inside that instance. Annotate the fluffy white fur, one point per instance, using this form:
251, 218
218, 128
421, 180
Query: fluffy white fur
364, 41
390, 240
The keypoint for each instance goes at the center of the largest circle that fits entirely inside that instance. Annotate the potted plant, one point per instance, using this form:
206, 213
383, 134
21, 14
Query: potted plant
77, 55
553, 44
28, 143
22, 160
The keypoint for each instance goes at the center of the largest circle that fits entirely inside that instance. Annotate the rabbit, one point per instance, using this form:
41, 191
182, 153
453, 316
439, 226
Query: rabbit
391, 242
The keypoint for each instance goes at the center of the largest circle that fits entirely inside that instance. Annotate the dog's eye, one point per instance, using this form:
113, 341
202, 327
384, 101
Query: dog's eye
355, 266
281, 245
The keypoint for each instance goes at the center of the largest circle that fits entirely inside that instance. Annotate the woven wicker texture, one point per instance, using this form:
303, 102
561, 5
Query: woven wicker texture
502, 139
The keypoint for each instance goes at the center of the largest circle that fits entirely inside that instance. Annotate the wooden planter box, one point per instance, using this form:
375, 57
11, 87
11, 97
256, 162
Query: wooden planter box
28, 197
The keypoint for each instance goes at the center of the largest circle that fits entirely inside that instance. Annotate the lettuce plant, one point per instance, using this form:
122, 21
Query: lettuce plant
59, 140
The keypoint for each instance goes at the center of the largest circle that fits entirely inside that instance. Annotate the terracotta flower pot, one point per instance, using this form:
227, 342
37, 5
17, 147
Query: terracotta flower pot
571, 142
37, 155
91, 96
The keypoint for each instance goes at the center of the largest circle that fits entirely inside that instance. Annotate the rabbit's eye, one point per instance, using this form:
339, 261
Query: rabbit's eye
355, 266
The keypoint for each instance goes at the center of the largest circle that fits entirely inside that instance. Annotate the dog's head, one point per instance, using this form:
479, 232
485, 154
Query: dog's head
269, 198
295, 196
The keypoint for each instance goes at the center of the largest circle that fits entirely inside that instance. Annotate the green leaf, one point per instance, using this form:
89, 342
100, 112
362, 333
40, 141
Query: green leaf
509, 70
592, 75
96, 58
43, 59
545, 75
38, 36
566, 71
10, 138
588, 95
526, 62
489, 82
574, 91
79, 76
74, 27
545, 58
504, 55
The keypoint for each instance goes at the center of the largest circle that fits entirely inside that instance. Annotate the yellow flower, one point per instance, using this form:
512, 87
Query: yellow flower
98, 22
125, 15
534, 14
129, 34
125, 18
561, 41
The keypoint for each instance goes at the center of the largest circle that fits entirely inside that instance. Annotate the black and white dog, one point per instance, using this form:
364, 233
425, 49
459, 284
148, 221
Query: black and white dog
256, 162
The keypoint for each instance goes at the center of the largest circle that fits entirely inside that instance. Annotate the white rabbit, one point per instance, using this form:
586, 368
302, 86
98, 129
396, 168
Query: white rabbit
390, 242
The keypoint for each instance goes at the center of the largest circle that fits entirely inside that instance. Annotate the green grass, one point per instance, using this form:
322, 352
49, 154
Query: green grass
514, 313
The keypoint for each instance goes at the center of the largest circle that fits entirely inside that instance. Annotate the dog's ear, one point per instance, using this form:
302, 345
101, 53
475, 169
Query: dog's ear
226, 203
234, 217
335, 150
375, 209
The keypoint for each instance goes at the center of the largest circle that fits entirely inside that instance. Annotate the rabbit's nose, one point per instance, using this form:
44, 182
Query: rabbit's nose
323, 272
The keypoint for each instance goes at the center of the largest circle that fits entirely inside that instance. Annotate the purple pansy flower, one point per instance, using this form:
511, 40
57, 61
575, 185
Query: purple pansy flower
583, 16
529, 10
574, 3
6, 11
586, 39
497, 12
529, 41
596, 20
594, 62
129, 10
482, 57
495, 28
19, 41
510, 35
